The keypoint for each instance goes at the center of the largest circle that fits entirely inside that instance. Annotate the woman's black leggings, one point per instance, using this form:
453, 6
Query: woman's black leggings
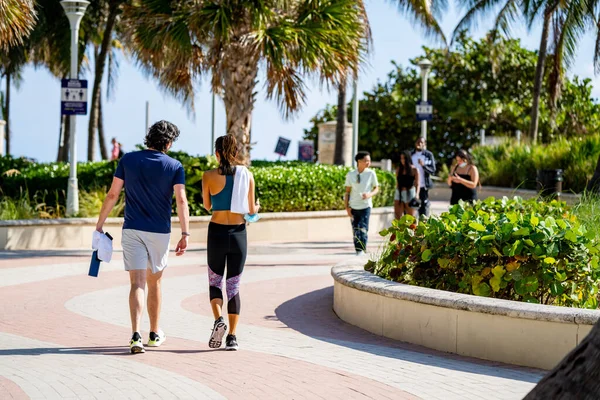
226, 244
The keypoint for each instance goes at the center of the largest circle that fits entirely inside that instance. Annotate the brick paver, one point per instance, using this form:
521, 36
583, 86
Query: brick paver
63, 335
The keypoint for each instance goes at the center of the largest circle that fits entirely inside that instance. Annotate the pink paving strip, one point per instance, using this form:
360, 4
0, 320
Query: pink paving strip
36, 310
10, 390
304, 304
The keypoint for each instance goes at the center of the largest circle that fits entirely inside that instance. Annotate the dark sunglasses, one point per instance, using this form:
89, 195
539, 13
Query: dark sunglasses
358, 178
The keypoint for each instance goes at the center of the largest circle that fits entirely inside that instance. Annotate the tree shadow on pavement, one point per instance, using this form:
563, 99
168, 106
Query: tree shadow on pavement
312, 315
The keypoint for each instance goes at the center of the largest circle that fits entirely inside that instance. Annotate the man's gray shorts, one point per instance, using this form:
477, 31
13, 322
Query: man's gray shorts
142, 250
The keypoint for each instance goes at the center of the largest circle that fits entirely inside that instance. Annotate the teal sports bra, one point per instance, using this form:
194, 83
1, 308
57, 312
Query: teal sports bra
222, 200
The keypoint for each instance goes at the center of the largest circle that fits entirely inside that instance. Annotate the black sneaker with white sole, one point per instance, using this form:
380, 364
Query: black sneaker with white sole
216, 338
231, 343
135, 344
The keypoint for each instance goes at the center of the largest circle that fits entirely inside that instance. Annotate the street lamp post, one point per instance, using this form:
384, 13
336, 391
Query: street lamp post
425, 65
75, 9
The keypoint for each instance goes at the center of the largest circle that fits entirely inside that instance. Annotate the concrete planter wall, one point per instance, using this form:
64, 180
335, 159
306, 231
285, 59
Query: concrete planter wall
512, 332
76, 233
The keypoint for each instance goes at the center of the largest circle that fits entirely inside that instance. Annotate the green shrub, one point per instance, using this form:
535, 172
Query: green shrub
510, 249
513, 165
311, 187
281, 186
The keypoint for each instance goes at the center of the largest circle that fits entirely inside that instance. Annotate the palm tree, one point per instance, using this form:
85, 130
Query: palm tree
50, 48
179, 43
17, 19
11, 65
563, 23
424, 14
107, 23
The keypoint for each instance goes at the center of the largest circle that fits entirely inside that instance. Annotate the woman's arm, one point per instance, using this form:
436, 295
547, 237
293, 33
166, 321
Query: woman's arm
474, 174
207, 204
475, 177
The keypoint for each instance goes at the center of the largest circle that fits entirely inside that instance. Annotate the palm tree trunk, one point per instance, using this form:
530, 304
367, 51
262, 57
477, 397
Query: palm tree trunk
7, 113
60, 156
539, 72
101, 138
98, 74
239, 80
63, 151
341, 144
577, 376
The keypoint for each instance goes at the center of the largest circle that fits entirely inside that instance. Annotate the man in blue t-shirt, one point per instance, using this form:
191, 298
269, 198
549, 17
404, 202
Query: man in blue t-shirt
149, 177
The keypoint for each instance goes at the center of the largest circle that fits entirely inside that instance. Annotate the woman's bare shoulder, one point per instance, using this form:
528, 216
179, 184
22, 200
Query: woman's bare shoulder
210, 174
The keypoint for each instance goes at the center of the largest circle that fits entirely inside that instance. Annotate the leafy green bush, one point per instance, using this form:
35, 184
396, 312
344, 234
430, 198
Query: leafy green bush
311, 187
281, 186
509, 249
513, 165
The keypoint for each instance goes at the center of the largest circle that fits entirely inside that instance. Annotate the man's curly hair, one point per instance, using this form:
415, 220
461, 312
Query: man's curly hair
160, 135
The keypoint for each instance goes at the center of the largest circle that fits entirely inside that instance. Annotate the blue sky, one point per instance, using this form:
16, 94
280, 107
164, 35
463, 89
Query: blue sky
35, 106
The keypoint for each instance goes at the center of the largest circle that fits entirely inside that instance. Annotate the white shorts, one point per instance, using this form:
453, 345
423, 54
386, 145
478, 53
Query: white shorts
145, 250
406, 195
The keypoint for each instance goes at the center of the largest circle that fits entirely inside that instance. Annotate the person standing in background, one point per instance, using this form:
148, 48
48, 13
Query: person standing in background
361, 186
115, 153
424, 161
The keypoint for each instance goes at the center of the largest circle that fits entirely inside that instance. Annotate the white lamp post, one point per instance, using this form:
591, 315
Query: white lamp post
425, 65
75, 9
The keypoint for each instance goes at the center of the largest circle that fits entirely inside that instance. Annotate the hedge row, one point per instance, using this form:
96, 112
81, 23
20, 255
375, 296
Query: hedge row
513, 165
280, 186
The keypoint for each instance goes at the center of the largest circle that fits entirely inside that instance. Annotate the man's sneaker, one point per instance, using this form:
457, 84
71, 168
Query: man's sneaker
216, 338
231, 343
157, 338
135, 344
360, 253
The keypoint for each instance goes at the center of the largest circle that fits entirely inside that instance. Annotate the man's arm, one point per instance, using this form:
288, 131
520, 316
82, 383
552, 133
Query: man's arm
347, 199
183, 213
109, 202
430, 167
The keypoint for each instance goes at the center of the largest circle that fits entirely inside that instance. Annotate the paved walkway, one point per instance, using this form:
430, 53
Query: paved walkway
64, 335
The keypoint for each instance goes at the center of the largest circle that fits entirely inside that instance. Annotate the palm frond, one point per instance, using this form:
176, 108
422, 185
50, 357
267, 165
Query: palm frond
481, 8
18, 18
113, 68
323, 39
510, 13
424, 13
162, 45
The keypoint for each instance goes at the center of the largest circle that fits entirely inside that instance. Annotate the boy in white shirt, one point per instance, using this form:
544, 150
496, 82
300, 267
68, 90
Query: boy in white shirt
361, 186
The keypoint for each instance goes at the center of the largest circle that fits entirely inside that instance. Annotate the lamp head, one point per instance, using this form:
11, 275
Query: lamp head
75, 8
425, 66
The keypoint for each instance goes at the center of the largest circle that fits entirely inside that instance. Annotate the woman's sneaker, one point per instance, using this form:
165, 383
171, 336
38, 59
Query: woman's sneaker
135, 344
216, 338
157, 338
231, 343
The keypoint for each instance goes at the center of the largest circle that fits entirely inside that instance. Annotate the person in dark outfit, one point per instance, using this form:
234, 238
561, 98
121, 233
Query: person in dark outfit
424, 161
463, 179
407, 187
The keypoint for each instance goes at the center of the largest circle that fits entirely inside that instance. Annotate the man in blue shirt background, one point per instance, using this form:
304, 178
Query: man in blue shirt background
150, 178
